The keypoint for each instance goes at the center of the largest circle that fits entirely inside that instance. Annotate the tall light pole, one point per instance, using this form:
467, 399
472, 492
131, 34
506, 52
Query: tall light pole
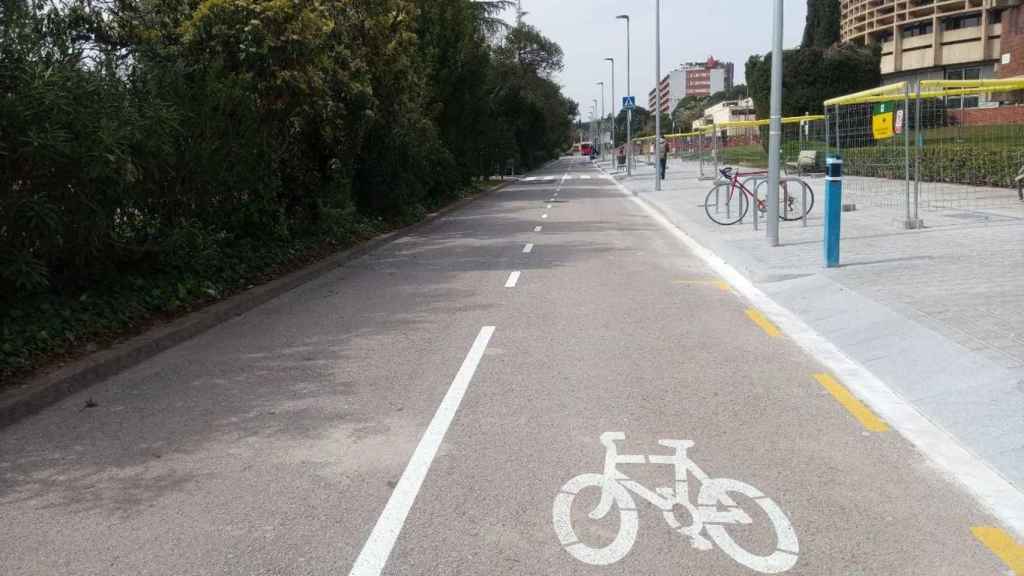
657, 93
775, 125
614, 117
603, 119
629, 112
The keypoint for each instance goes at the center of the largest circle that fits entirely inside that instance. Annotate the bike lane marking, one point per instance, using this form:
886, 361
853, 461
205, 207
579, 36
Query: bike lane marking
763, 322
706, 516
1002, 545
378, 546
862, 413
987, 486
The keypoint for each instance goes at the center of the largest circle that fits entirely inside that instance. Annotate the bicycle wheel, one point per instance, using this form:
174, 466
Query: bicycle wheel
791, 199
726, 205
714, 494
628, 521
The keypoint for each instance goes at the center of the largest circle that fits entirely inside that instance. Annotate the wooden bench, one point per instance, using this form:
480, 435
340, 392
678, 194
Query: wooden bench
807, 160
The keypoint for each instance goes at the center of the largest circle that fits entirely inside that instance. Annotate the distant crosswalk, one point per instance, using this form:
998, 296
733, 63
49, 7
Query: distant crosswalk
567, 177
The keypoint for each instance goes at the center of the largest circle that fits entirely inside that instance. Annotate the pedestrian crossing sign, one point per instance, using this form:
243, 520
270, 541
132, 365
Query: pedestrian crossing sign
882, 121
628, 102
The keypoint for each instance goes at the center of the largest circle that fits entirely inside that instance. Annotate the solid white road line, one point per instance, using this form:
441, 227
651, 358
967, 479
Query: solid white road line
985, 484
513, 279
528, 248
531, 178
538, 228
584, 177
375, 552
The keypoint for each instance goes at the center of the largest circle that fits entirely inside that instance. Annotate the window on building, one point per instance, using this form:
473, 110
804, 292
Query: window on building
959, 102
995, 17
960, 22
917, 30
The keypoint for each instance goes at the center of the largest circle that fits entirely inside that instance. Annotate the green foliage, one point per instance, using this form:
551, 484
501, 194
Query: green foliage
822, 28
641, 118
161, 153
813, 75
966, 163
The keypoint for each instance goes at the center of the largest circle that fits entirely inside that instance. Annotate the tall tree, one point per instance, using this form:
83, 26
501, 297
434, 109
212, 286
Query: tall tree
822, 27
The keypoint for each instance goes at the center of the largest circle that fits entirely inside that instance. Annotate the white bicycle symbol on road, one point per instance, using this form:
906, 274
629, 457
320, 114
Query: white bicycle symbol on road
712, 514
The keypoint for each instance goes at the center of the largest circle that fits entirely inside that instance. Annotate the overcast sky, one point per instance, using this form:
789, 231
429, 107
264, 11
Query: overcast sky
691, 30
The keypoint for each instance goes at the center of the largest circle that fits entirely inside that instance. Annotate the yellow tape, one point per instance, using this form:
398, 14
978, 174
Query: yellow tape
889, 92
979, 85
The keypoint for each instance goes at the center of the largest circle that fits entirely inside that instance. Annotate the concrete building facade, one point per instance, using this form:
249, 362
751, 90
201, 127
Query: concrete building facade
692, 79
728, 111
940, 39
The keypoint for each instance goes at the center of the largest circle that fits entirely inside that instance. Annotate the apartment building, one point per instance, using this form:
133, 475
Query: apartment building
692, 79
940, 39
728, 111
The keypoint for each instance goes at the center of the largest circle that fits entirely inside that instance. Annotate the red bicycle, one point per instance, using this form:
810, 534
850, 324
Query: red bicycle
729, 201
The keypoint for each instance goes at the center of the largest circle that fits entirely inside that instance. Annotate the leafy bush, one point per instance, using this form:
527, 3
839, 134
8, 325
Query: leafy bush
158, 155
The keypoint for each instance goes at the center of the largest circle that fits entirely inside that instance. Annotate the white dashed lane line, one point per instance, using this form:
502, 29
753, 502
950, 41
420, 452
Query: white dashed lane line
513, 279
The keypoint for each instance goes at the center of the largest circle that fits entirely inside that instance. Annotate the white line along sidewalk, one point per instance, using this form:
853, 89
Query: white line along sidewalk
992, 490
377, 549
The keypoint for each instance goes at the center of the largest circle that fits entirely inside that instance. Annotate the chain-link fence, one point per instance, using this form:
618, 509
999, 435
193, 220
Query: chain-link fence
969, 143
745, 143
945, 144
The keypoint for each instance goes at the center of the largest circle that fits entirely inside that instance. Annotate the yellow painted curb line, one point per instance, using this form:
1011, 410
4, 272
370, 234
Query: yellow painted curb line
854, 406
764, 323
1002, 545
720, 284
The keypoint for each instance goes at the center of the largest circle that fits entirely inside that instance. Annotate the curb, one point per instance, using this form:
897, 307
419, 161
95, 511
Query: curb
48, 389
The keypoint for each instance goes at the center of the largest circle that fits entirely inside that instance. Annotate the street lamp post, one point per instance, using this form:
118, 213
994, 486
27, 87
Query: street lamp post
603, 120
614, 117
775, 125
629, 112
657, 92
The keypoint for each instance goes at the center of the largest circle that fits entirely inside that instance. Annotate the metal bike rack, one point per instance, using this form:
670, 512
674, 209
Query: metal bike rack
755, 179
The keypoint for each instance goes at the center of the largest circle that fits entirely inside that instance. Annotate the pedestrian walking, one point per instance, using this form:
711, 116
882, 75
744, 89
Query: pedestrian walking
663, 148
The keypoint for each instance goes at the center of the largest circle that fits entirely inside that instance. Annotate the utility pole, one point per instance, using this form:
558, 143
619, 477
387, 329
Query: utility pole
657, 94
614, 117
603, 119
775, 125
629, 112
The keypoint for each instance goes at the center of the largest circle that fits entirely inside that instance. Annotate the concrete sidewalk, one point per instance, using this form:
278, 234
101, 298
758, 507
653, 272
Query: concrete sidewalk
937, 313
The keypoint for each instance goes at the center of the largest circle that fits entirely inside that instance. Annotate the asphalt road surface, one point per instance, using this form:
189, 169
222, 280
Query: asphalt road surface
447, 404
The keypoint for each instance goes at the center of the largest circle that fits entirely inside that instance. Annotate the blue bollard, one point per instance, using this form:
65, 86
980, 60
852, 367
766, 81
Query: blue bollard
833, 209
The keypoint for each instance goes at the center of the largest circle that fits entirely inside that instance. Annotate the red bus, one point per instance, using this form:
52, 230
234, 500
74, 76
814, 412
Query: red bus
587, 149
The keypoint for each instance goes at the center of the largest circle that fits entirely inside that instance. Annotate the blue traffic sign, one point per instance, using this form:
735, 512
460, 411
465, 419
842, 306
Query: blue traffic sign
629, 102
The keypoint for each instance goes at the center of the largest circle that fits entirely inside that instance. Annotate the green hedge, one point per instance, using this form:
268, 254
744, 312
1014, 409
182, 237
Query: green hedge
968, 164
